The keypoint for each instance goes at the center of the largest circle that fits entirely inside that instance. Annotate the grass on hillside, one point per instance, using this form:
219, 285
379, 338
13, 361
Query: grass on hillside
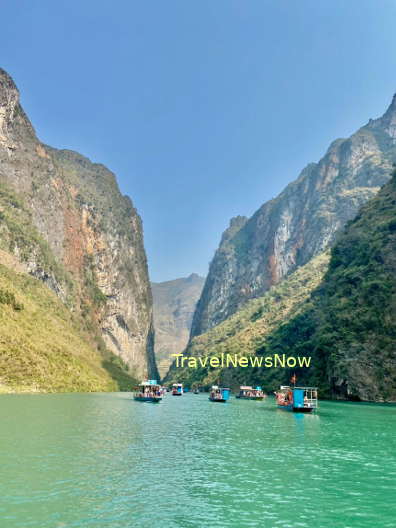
245, 332
43, 348
349, 325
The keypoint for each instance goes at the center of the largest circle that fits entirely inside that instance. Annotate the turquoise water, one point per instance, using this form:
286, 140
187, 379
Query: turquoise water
93, 460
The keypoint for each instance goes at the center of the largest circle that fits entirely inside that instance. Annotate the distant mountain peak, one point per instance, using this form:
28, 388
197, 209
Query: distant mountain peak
194, 277
174, 304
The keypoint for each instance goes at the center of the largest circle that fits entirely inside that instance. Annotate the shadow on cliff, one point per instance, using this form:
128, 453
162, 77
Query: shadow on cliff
125, 382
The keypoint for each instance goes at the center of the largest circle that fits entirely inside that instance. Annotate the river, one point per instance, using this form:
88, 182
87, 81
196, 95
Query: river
93, 460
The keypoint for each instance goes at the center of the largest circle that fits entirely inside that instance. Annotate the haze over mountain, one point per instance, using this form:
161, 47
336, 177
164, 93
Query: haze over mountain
174, 305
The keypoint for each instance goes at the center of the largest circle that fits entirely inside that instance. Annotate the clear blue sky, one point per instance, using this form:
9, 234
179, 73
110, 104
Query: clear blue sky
204, 109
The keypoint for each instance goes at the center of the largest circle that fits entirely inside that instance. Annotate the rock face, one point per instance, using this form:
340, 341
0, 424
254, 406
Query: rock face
348, 326
301, 222
338, 310
94, 257
246, 332
174, 304
43, 347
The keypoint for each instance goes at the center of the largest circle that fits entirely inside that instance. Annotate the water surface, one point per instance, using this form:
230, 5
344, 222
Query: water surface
93, 460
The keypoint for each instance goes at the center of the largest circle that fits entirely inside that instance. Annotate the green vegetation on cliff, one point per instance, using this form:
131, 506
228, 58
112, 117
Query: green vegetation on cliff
349, 326
42, 347
65, 222
19, 236
246, 332
345, 323
298, 224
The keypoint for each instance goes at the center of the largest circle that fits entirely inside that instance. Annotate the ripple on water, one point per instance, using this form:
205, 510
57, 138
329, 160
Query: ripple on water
105, 460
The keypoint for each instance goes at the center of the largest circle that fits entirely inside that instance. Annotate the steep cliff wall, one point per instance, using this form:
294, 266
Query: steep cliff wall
174, 305
93, 235
43, 347
300, 223
338, 311
247, 331
349, 325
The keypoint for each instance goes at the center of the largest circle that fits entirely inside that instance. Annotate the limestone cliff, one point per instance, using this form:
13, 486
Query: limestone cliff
348, 326
301, 222
89, 244
247, 331
174, 304
43, 346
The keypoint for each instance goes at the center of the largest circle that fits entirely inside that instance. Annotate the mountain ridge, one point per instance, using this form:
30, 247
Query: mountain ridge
301, 222
348, 326
338, 310
247, 329
174, 303
82, 238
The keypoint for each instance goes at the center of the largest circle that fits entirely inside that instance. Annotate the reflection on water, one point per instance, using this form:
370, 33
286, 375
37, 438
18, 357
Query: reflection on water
92, 460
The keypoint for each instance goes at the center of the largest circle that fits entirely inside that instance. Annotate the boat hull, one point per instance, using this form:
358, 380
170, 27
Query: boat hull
148, 399
259, 398
290, 408
218, 400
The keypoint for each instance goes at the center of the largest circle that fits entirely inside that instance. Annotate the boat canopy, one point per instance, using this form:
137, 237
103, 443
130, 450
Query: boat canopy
220, 393
248, 388
287, 387
300, 397
149, 383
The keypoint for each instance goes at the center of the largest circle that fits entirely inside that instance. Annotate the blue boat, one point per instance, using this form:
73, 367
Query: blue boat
219, 394
148, 391
177, 389
297, 399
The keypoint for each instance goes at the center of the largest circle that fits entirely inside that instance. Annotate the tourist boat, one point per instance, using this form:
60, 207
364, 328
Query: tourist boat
249, 393
177, 389
148, 391
297, 399
219, 394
